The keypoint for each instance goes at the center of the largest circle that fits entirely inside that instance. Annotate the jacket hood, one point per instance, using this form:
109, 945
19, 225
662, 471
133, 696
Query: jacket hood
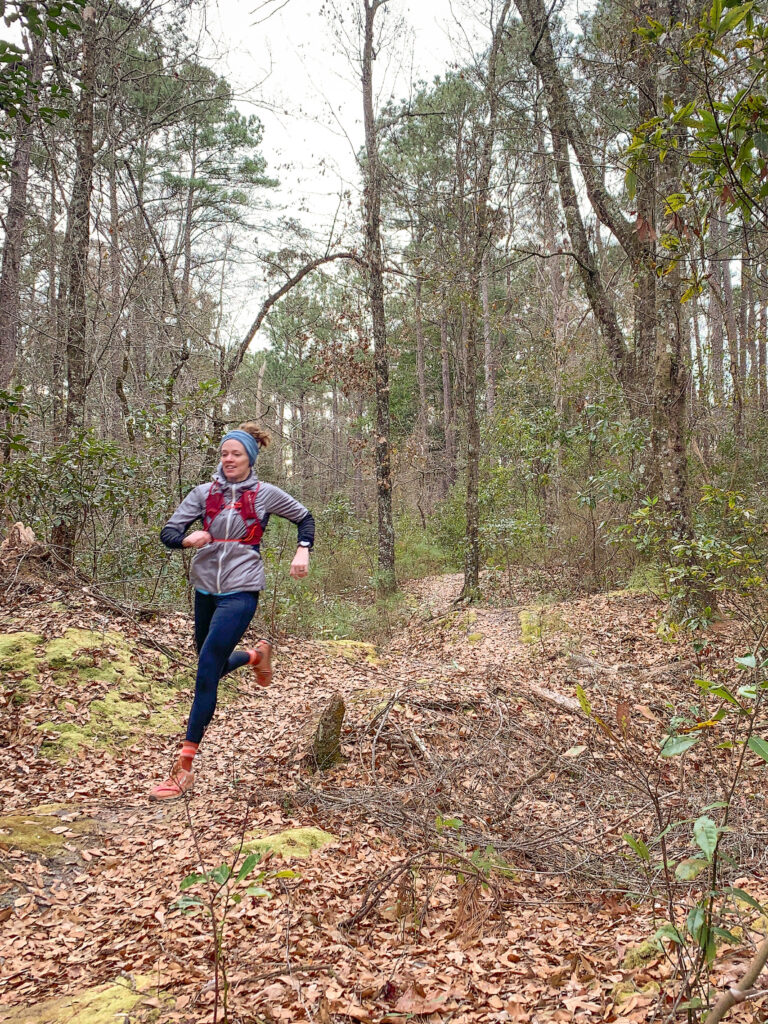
242, 485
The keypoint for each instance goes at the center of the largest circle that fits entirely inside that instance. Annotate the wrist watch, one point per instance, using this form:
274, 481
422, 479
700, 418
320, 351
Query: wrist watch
304, 544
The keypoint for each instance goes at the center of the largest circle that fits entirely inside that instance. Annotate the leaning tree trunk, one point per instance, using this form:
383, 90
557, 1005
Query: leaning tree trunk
375, 268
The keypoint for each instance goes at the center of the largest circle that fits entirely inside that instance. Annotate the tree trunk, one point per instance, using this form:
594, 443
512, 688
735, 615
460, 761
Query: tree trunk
731, 325
449, 476
78, 232
375, 269
482, 235
715, 317
421, 375
15, 220
762, 384
75, 268
488, 361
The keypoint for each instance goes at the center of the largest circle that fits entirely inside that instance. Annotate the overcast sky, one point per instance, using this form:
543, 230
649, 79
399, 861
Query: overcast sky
287, 63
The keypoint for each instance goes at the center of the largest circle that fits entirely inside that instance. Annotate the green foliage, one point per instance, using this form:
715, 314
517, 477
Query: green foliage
728, 124
723, 557
340, 599
14, 412
87, 483
560, 488
214, 892
18, 88
685, 863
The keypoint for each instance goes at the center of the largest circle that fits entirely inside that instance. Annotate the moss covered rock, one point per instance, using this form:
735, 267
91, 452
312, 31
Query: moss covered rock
128, 699
88, 655
540, 622
19, 662
623, 991
641, 956
42, 830
291, 843
103, 1004
353, 651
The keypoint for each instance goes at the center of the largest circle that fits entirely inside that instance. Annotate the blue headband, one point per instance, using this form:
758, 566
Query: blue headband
245, 439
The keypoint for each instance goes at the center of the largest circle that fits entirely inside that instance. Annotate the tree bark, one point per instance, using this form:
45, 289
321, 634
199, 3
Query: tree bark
449, 475
375, 268
481, 240
488, 360
78, 232
76, 246
15, 220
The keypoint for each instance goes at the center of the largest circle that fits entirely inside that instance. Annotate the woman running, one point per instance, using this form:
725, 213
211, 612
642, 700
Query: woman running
227, 574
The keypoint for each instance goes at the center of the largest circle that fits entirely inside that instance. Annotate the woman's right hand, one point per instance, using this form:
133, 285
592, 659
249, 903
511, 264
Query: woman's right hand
197, 539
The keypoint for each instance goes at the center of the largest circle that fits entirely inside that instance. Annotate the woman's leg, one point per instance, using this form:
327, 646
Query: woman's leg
239, 658
205, 606
231, 618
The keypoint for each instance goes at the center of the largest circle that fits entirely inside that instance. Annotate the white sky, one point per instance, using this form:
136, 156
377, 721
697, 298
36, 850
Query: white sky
291, 70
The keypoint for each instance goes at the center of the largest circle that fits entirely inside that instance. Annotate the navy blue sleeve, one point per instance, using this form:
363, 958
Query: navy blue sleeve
306, 528
192, 508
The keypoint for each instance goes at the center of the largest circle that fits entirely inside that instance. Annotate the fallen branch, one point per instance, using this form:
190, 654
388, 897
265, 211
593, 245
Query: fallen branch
744, 990
376, 890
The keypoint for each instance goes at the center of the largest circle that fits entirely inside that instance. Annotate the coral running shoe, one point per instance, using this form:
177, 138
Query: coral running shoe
179, 782
260, 660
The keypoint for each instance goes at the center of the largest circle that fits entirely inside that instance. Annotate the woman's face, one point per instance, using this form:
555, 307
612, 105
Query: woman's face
234, 461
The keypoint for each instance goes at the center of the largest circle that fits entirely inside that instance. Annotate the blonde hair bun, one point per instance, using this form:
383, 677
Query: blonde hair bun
261, 437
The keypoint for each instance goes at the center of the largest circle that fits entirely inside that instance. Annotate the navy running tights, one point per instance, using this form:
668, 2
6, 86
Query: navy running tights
220, 622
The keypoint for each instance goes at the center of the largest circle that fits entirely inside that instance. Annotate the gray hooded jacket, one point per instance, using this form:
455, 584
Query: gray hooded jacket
224, 568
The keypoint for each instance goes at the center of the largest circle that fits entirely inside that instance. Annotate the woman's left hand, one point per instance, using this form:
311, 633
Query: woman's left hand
300, 563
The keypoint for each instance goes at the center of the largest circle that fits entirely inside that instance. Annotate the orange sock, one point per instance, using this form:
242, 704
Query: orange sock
187, 756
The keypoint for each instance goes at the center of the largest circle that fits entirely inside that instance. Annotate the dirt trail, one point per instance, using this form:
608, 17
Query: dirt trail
475, 820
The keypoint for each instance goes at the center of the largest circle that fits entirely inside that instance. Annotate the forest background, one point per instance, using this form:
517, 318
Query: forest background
536, 333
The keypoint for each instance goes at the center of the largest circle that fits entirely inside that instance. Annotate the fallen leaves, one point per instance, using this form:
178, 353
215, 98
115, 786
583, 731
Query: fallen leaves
472, 762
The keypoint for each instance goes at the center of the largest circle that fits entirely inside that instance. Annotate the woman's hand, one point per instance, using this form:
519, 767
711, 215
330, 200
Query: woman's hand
300, 563
197, 539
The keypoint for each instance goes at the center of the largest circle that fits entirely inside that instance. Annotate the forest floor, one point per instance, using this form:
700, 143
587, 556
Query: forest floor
474, 867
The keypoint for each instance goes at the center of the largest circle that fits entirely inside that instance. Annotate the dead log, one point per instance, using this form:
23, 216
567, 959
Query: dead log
21, 542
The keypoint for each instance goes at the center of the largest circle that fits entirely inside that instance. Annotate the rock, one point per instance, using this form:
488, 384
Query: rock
292, 842
103, 1004
325, 746
18, 660
353, 651
641, 956
34, 832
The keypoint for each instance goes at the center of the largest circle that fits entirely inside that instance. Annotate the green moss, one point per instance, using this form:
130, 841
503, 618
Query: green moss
115, 720
33, 832
539, 623
475, 638
103, 1004
646, 578
136, 703
623, 991
293, 842
95, 656
353, 651
641, 956
85, 662
18, 659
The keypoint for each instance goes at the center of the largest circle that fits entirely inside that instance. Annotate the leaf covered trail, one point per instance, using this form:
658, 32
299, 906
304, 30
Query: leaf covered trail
478, 872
